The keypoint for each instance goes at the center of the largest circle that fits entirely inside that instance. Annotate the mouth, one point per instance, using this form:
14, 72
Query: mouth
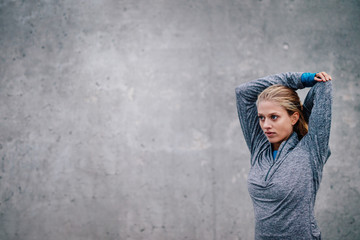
270, 134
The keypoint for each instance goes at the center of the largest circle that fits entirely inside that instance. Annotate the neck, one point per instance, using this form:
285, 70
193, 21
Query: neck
275, 146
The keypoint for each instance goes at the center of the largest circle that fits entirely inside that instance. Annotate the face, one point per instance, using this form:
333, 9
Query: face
276, 123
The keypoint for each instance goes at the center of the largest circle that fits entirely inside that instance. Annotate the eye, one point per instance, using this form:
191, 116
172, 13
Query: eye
261, 118
274, 117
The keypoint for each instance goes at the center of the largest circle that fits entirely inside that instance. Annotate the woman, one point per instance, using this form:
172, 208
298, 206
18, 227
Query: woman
289, 145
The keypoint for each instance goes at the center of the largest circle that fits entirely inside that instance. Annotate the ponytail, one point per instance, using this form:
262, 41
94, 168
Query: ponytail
301, 127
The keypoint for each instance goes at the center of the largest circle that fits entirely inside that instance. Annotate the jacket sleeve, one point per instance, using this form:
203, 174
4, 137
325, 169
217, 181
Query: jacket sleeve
317, 110
246, 96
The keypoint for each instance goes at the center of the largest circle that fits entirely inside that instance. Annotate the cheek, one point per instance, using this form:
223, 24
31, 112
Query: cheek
288, 127
285, 126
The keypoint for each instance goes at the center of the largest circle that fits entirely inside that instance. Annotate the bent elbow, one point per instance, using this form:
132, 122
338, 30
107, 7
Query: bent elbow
324, 87
240, 89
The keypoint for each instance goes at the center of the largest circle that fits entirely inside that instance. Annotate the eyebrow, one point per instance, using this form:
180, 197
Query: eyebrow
273, 113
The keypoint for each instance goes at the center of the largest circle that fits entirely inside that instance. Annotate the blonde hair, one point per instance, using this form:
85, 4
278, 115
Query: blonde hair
290, 101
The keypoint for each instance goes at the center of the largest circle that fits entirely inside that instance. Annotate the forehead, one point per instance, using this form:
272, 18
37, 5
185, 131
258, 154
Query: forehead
269, 107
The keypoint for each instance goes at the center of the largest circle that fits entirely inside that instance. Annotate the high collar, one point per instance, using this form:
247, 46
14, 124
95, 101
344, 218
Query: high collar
284, 149
287, 145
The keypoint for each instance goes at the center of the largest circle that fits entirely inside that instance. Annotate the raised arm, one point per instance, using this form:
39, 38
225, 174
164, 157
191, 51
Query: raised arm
246, 96
317, 109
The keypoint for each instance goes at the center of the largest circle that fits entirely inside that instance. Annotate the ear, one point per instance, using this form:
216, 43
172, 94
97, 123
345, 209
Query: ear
294, 118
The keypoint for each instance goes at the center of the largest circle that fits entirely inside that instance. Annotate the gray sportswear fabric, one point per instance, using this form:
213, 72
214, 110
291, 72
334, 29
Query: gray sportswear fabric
283, 190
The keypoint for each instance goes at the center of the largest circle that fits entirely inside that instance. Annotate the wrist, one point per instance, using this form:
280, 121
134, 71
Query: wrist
308, 79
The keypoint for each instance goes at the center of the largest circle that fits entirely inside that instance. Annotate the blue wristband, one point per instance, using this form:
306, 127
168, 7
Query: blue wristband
308, 80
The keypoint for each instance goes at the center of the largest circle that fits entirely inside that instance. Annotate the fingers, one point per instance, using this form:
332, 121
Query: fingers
322, 77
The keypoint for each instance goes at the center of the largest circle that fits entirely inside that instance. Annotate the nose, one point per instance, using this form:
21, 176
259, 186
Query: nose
267, 124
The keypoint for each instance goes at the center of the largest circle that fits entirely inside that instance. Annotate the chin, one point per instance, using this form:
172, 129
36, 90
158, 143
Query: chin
272, 140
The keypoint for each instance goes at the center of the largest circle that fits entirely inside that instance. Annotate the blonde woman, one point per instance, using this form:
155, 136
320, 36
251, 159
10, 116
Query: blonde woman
289, 145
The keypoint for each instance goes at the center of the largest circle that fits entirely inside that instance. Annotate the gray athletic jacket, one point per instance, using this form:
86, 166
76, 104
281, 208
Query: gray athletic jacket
283, 190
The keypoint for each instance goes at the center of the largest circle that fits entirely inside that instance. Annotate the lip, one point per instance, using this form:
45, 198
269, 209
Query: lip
270, 134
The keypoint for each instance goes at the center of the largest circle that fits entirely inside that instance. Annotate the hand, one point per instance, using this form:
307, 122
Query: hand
322, 77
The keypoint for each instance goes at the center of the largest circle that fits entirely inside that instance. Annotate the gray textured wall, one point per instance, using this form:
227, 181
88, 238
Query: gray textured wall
118, 118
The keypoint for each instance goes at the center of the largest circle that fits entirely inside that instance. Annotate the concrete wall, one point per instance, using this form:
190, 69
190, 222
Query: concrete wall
118, 118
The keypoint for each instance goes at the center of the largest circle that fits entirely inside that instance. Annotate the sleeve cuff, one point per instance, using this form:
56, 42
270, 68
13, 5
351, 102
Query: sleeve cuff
307, 79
